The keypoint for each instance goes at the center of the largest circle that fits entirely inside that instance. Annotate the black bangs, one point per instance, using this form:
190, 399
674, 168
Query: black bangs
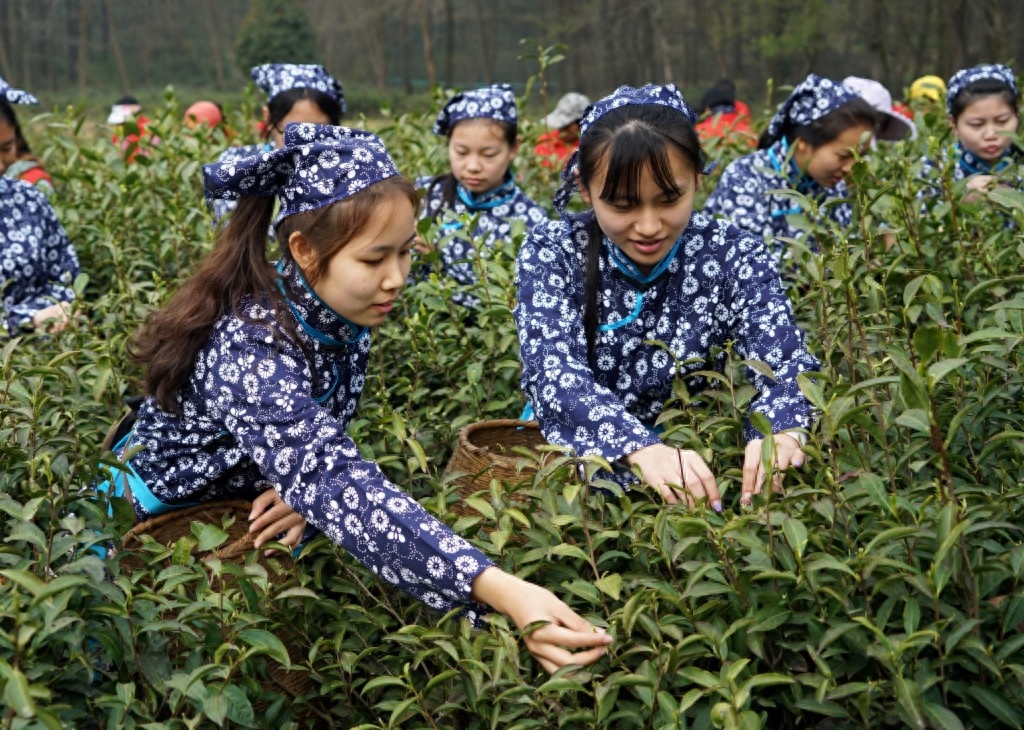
979, 89
634, 151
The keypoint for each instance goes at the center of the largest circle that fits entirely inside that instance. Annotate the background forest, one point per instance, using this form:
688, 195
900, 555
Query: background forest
72, 48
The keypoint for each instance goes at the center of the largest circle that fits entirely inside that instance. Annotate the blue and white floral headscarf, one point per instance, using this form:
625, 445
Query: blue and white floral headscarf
989, 71
274, 78
318, 165
497, 102
15, 96
813, 98
667, 95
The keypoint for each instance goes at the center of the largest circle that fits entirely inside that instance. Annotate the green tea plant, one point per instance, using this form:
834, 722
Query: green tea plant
883, 588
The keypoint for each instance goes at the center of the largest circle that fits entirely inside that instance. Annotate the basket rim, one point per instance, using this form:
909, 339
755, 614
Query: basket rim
466, 431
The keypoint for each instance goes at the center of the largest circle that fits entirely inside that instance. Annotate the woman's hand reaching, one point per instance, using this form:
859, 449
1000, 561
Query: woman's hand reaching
271, 516
526, 603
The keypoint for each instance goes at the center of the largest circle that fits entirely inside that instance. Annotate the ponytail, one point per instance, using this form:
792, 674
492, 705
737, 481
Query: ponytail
237, 268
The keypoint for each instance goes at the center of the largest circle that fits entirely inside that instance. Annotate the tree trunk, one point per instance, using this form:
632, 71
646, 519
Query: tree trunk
485, 31
6, 12
426, 33
449, 43
115, 47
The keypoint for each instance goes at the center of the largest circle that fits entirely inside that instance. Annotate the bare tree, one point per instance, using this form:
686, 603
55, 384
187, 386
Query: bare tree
427, 36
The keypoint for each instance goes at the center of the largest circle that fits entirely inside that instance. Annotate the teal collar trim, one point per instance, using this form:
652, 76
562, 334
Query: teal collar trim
294, 276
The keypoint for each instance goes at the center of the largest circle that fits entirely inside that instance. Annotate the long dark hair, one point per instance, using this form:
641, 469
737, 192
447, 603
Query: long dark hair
981, 88
853, 113
630, 142
279, 107
237, 269
20, 144
447, 182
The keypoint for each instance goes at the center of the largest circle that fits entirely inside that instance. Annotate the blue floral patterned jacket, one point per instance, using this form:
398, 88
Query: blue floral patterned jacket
37, 261
494, 210
720, 286
262, 409
743, 198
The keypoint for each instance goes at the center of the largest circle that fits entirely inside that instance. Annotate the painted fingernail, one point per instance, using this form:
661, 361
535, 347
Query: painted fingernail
798, 463
716, 505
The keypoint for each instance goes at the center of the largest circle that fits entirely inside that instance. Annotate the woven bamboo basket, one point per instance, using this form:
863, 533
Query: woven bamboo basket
170, 527
486, 450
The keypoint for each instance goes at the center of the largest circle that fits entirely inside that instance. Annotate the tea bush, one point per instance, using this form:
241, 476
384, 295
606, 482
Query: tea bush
883, 589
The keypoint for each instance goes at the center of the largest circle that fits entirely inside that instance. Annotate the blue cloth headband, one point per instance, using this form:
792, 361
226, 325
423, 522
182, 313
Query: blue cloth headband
320, 164
497, 102
15, 96
667, 95
274, 78
813, 98
987, 72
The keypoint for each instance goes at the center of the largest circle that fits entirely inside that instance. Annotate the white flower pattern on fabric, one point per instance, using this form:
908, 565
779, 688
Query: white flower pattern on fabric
247, 439
604, 410
493, 225
37, 261
742, 197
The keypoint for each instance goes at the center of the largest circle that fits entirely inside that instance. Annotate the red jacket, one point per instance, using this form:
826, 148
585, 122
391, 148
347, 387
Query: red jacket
552, 150
731, 126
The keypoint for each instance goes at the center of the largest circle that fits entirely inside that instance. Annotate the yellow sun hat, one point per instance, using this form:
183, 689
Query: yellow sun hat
927, 88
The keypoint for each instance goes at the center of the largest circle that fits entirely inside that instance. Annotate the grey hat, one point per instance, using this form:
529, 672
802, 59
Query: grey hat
569, 109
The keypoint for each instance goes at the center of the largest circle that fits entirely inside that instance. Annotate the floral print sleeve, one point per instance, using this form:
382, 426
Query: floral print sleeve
37, 261
763, 326
305, 453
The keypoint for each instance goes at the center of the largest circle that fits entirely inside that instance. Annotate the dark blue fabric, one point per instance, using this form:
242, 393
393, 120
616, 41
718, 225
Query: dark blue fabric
318, 165
494, 211
743, 197
722, 286
37, 261
263, 409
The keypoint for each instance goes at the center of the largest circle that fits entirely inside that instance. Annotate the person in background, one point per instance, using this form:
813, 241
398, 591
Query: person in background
125, 114
810, 146
38, 264
481, 127
296, 93
554, 146
926, 93
254, 368
982, 106
203, 113
16, 159
724, 117
619, 303
893, 126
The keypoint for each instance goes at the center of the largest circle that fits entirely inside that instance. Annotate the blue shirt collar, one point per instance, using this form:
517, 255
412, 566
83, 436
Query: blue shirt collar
632, 272
490, 198
784, 164
315, 317
971, 164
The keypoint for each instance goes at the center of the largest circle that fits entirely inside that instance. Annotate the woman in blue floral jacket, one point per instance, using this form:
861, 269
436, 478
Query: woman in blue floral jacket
595, 290
482, 131
253, 371
808, 148
37, 261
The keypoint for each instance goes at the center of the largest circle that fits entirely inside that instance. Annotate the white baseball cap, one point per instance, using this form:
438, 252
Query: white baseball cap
896, 127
